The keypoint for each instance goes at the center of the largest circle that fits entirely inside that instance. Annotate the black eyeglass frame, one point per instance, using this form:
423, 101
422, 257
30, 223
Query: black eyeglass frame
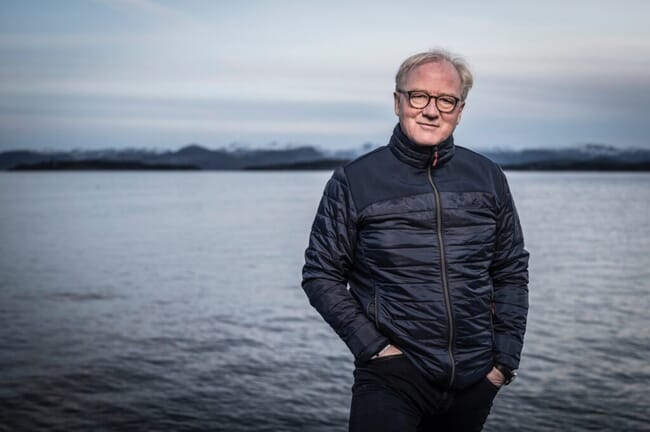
435, 98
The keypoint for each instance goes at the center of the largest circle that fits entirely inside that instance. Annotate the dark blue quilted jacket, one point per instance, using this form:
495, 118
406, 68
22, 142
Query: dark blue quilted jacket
429, 241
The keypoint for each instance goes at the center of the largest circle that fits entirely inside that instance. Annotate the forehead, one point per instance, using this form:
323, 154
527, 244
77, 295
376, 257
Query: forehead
434, 77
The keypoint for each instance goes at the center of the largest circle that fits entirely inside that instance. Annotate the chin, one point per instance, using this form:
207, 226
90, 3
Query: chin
428, 140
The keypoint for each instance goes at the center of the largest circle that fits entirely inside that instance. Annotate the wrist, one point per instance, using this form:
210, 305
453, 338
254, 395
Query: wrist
507, 373
381, 352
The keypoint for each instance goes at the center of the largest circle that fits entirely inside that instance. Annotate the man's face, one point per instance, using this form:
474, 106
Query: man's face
428, 126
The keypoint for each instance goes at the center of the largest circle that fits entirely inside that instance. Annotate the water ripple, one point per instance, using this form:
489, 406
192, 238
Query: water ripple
188, 314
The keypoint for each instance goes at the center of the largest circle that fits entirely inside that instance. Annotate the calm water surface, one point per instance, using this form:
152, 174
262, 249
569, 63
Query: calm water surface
172, 301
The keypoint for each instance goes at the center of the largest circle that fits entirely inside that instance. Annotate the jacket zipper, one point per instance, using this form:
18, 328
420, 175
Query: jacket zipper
443, 272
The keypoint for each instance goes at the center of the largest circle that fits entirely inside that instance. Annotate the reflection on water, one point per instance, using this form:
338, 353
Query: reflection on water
172, 301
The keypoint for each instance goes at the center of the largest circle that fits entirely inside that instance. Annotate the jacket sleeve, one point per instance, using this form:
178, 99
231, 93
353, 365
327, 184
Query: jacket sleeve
328, 260
509, 271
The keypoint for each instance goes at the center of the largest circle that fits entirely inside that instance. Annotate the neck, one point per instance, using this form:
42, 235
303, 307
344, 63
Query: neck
420, 156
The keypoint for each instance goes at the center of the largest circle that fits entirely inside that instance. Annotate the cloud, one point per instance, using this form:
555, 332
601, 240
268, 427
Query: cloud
226, 66
154, 10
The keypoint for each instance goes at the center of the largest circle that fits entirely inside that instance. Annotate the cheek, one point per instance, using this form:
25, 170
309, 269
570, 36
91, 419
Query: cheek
400, 107
408, 113
452, 121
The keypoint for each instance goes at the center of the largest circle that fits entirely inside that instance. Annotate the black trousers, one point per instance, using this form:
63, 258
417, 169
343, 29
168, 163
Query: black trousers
390, 394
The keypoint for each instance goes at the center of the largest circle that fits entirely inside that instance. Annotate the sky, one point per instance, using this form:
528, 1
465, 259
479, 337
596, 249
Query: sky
93, 74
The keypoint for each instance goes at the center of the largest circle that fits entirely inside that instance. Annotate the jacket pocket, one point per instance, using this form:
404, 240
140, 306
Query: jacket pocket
386, 358
410, 312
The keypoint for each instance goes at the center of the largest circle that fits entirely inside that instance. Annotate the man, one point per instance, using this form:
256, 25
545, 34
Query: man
427, 236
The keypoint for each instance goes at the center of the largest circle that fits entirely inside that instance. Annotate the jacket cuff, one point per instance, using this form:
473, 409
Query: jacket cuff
507, 350
366, 342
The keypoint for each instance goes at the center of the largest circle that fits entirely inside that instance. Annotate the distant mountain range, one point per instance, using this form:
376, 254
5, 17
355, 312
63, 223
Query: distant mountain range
596, 157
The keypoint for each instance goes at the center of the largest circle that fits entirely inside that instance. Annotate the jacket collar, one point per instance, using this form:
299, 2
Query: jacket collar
420, 156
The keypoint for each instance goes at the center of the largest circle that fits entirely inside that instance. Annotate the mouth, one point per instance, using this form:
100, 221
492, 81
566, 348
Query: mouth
428, 126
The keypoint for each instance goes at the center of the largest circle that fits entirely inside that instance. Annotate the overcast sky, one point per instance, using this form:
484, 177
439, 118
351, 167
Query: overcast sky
162, 74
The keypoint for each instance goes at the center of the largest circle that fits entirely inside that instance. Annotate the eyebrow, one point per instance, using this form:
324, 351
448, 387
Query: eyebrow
430, 94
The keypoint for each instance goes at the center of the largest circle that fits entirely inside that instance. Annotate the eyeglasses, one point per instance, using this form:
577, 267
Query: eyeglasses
420, 100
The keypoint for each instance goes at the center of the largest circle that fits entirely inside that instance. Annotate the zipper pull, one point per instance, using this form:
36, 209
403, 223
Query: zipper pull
435, 159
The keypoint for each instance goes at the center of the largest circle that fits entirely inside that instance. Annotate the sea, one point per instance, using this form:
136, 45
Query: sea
172, 301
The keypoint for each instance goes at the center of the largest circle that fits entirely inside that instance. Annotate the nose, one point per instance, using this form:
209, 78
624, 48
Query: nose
431, 110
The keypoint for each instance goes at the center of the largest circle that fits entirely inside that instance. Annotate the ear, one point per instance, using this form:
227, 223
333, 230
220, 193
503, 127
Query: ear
396, 99
460, 113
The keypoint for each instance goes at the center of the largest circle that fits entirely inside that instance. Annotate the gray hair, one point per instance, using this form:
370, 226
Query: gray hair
437, 56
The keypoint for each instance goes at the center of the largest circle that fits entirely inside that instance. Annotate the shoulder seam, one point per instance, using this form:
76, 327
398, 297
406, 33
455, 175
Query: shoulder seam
345, 167
362, 157
348, 191
475, 153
